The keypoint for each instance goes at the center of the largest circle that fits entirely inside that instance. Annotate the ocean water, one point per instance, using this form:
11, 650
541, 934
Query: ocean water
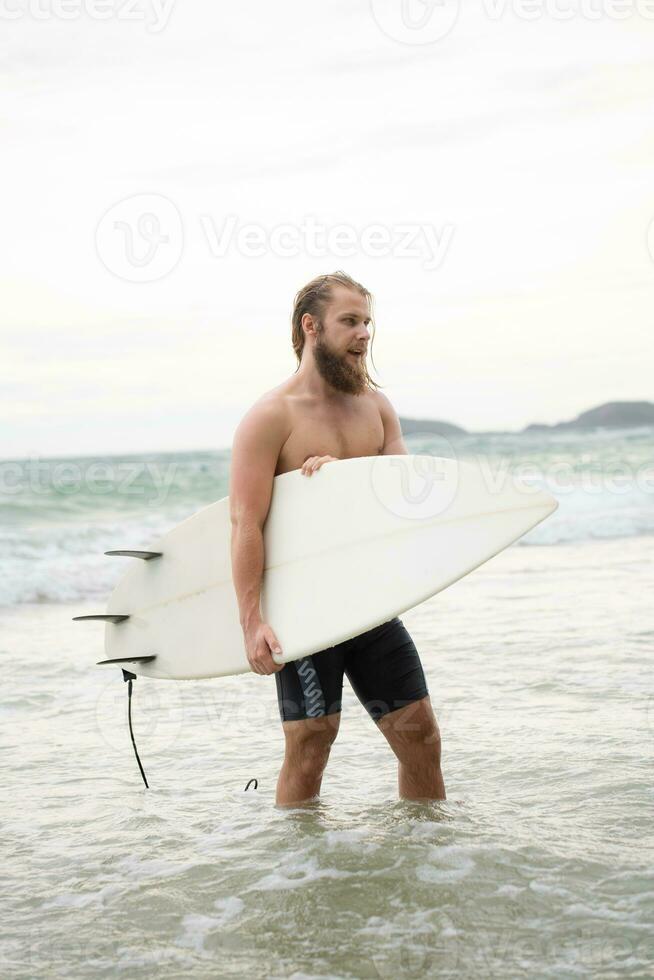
539, 664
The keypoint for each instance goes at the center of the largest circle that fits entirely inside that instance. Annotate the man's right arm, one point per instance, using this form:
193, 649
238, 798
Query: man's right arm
255, 451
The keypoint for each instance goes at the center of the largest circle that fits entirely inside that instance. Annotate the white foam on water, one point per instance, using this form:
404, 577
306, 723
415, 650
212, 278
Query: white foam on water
195, 929
296, 872
354, 839
229, 908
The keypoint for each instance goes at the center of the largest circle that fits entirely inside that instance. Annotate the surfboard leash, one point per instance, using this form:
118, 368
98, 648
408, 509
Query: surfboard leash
129, 677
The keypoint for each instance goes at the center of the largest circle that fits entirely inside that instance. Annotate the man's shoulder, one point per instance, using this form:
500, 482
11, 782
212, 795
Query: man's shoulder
275, 400
270, 408
382, 402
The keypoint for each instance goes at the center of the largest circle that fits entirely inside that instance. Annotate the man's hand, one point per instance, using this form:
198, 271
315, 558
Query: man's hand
260, 640
313, 463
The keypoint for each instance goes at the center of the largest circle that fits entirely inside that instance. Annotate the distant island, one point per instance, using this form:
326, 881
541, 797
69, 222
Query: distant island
412, 426
611, 415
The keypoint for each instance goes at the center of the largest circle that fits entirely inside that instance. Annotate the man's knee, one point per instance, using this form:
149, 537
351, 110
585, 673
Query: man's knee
413, 732
308, 744
424, 739
422, 748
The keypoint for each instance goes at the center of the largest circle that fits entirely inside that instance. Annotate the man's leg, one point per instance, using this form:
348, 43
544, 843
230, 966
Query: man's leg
308, 742
412, 733
309, 694
385, 671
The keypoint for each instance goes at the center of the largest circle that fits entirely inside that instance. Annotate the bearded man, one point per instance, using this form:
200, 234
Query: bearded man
329, 409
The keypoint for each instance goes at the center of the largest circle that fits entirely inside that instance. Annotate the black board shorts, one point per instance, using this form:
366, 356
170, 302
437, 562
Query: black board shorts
382, 665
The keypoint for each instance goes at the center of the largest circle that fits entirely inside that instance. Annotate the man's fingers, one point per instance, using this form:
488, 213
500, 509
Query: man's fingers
271, 664
307, 464
266, 667
314, 463
272, 641
262, 662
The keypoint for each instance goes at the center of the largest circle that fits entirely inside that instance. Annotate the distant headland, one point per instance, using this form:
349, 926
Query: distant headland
611, 415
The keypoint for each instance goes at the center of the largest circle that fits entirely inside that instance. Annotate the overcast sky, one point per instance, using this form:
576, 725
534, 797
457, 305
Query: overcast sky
486, 174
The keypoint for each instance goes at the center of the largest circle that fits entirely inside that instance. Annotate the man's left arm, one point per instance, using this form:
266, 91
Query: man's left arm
393, 439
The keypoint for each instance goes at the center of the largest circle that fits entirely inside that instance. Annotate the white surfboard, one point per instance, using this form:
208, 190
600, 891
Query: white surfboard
360, 541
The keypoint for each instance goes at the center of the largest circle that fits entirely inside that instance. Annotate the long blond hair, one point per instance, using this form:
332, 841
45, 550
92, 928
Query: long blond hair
314, 298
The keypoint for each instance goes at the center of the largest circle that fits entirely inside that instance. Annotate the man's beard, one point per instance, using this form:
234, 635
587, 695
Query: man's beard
337, 371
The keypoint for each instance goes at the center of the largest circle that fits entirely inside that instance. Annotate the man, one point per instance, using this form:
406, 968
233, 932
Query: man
329, 409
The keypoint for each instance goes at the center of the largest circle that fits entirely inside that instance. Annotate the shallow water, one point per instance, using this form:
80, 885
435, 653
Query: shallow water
540, 863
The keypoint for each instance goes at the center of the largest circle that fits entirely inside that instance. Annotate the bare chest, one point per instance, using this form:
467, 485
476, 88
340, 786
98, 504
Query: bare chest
324, 432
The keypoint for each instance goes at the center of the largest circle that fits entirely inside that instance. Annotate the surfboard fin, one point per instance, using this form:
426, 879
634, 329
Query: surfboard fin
104, 618
128, 660
145, 555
